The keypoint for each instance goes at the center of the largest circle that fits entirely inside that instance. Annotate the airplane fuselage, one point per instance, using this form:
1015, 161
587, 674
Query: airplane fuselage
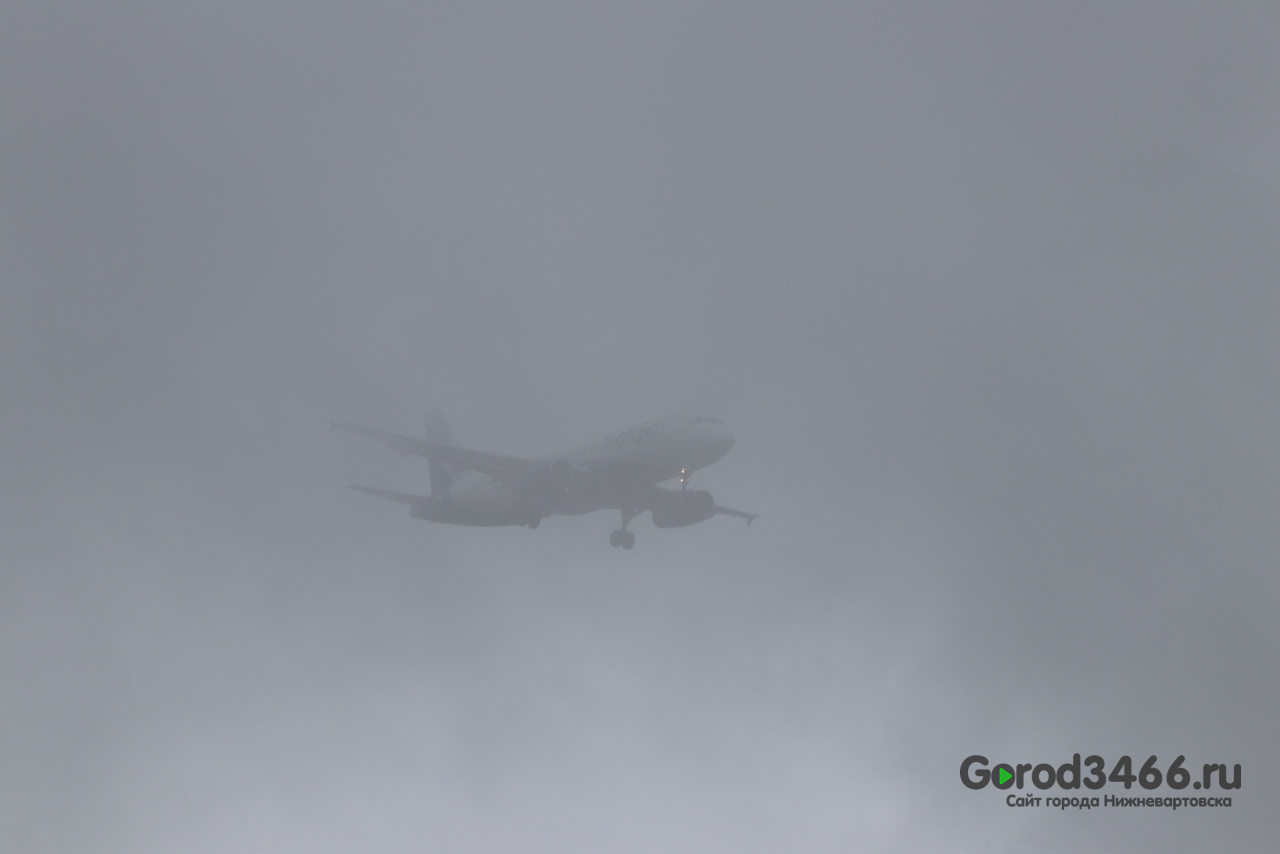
606, 474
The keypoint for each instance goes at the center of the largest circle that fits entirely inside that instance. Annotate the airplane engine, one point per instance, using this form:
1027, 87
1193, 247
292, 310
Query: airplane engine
687, 507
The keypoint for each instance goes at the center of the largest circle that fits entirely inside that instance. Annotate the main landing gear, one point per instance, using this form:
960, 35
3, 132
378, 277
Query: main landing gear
622, 538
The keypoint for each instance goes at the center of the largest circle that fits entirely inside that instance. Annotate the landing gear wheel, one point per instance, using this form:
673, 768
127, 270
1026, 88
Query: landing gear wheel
628, 539
534, 522
614, 538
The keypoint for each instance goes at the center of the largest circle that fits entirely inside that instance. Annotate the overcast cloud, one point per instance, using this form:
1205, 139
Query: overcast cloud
987, 292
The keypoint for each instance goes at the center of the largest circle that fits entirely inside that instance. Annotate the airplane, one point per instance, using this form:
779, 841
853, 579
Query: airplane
620, 472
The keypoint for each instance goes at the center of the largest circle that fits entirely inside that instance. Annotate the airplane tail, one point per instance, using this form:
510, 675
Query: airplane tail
438, 430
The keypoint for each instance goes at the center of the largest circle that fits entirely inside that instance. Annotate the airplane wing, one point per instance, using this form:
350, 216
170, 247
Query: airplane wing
725, 511
497, 465
402, 497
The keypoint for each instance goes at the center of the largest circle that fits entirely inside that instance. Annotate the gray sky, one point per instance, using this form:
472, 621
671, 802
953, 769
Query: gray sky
986, 290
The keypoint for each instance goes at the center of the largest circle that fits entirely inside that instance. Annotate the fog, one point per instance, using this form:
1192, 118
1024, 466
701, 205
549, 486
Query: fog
987, 294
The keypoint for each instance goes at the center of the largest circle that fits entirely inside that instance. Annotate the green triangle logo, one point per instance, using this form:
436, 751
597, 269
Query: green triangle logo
1003, 776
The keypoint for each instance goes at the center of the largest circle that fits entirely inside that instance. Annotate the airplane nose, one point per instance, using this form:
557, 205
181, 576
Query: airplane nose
723, 442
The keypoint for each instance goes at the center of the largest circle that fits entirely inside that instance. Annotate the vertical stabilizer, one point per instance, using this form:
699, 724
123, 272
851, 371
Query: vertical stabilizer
438, 430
